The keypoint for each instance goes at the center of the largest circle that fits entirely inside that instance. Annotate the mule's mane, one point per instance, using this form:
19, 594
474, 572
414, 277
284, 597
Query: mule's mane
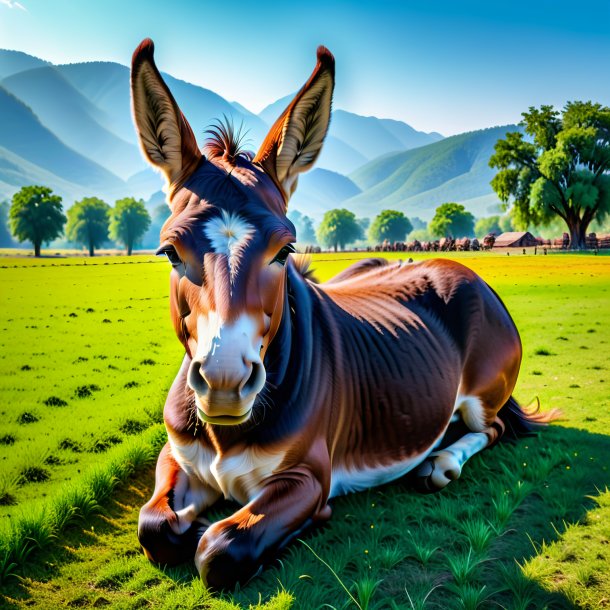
226, 141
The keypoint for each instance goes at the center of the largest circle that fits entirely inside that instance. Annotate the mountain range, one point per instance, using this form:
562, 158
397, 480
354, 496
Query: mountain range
69, 127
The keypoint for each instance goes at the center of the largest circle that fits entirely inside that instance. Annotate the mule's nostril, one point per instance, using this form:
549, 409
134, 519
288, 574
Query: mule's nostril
253, 384
196, 378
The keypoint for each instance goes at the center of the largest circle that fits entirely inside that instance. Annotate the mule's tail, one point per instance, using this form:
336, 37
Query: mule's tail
524, 421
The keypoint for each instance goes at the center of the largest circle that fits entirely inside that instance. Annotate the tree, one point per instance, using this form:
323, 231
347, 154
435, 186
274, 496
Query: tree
88, 223
452, 220
339, 228
36, 215
391, 225
130, 221
304, 227
491, 224
563, 171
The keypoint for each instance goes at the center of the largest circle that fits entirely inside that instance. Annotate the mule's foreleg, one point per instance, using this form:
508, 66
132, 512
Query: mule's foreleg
232, 550
169, 528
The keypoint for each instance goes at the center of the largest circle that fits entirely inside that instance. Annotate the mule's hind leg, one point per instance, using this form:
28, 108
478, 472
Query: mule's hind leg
469, 435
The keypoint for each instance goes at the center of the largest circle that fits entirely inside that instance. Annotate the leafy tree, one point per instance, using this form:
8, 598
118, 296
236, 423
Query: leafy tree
452, 220
36, 215
339, 228
563, 171
491, 224
391, 225
304, 227
506, 224
6, 239
130, 220
420, 235
88, 223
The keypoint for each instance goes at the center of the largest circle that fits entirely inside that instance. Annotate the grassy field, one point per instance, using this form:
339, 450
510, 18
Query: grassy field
527, 525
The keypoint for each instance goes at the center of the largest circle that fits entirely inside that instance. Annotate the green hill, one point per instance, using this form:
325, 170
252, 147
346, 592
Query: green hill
418, 180
74, 119
26, 138
321, 190
12, 62
353, 140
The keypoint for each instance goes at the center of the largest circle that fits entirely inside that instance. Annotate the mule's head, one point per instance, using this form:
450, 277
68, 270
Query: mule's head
228, 238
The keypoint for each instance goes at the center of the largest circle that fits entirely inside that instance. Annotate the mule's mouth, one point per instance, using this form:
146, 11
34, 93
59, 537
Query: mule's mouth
224, 420
224, 410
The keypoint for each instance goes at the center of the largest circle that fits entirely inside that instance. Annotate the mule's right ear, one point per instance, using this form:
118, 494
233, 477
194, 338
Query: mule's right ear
166, 138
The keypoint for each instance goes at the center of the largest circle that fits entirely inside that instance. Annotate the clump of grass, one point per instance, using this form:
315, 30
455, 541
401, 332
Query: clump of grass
131, 384
365, 590
8, 486
100, 445
7, 439
478, 533
34, 474
542, 351
83, 391
81, 359
471, 597
69, 444
148, 361
106, 321
536, 372
391, 556
518, 587
72, 315
27, 417
53, 460
463, 567
132, 426
89, 310
55, 401
26, 367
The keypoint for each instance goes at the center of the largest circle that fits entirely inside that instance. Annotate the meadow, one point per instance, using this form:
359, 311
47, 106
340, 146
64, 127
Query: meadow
88, 353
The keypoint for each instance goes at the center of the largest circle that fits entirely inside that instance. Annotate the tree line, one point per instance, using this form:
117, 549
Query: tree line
36, 215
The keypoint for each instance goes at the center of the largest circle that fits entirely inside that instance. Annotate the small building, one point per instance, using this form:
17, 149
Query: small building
515, 239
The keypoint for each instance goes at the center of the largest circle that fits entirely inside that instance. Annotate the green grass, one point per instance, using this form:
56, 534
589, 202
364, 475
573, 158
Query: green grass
526, 526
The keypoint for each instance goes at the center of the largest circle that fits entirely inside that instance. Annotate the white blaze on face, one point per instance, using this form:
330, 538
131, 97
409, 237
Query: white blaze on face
227, 345
229, 235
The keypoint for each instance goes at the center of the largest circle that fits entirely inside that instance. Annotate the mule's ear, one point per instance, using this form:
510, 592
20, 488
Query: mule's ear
295, 140
166, 138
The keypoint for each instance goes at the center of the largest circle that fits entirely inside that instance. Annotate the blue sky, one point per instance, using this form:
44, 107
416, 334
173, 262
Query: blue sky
441, 65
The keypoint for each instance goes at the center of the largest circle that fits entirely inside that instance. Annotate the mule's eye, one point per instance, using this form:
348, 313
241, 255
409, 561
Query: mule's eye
282, 255
170, 252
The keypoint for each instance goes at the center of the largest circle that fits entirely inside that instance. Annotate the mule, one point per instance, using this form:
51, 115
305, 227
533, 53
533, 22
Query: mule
293, 392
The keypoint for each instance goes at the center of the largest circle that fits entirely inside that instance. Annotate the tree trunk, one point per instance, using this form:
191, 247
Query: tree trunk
335, 247
37, 248
91, 253
129, 248
578, 233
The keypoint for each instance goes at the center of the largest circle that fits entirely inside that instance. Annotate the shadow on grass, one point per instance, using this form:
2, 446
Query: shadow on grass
454, 547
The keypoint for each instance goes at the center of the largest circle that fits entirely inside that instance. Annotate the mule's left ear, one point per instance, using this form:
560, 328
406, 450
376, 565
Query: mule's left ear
295, 140
165, 135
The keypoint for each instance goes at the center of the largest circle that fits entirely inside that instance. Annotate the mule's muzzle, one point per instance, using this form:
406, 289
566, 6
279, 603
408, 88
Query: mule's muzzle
225, 392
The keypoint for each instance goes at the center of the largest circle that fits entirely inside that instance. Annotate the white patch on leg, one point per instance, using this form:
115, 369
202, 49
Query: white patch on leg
229, 234
448, 462
471, 410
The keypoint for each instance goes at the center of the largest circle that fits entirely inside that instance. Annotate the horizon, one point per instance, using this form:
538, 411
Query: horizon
467, 75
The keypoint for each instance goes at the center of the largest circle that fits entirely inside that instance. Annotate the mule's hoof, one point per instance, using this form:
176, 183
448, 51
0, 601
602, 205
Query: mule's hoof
430, 477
